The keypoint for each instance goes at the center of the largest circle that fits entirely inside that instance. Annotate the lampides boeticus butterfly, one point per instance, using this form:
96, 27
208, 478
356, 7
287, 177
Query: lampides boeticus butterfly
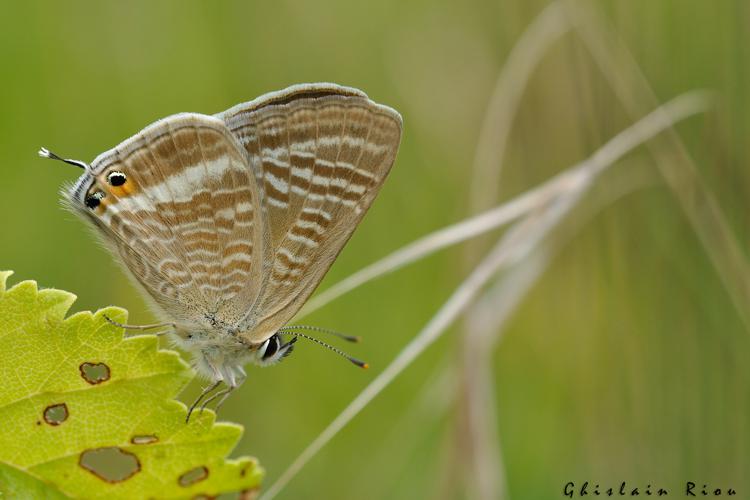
229, 222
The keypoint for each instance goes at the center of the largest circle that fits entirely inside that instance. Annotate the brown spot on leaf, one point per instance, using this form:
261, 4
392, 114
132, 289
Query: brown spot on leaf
56, 414
203, 496
245, 469
144, 439
94, 373
110, 464
193, 476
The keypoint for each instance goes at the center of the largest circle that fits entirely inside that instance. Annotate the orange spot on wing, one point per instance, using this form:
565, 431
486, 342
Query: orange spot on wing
102, 207
127, 189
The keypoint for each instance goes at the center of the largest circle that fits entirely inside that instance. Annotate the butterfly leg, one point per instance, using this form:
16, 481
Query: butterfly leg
141, 327
237, 381
224, 398
223, 395
203, 394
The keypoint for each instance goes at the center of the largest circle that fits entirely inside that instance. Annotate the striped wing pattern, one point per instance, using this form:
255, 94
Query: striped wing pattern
230, 222
186, 223
320, 159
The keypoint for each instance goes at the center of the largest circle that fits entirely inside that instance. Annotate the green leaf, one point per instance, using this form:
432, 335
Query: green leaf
86, 412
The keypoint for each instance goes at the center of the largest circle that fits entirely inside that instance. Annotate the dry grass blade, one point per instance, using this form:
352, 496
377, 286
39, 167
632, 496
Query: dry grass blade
514, 246
672, 158
451, 309
487, 315
483, 328
680, 107
427, 245
546, 28
431, 404
484, 463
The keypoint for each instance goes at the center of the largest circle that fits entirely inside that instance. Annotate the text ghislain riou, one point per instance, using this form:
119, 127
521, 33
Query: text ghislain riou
691, 489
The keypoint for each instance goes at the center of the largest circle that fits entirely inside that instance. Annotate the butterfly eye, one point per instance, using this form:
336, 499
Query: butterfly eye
272, 351
116, 178
270, 347
94, 199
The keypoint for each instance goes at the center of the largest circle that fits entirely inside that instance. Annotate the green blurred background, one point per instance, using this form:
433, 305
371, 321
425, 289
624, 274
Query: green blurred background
626, 362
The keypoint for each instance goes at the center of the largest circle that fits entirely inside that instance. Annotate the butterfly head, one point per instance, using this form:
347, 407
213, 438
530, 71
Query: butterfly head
90, 192
272, 350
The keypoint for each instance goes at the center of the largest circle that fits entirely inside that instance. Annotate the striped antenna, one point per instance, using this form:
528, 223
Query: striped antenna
341, 353
348, 338
46, 153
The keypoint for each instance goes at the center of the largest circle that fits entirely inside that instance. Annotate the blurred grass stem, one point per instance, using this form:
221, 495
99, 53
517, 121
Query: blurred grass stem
520, 240
510, 85
675, 164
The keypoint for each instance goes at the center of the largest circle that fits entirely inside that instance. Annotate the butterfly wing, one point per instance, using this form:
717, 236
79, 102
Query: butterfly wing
320, 154
186, 222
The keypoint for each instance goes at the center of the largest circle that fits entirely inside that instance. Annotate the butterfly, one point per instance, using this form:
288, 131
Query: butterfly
229, 222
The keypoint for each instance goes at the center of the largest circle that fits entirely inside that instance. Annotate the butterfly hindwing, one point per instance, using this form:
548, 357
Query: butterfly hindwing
320, 153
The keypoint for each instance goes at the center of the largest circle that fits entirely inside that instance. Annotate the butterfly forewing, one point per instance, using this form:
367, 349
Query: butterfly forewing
230, 222
187, 221
322, 153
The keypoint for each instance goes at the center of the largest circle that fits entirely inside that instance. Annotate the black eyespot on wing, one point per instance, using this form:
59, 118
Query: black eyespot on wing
93, 200
116, 178
273, 346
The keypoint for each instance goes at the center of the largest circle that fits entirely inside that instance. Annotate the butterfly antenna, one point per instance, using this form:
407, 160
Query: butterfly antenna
348, 338
46, 153
341, 353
